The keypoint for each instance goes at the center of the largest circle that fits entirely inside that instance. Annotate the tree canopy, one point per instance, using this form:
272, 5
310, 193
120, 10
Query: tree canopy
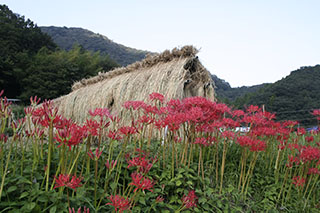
32, 64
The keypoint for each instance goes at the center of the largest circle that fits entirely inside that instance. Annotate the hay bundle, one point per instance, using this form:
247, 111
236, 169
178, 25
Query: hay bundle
176, 74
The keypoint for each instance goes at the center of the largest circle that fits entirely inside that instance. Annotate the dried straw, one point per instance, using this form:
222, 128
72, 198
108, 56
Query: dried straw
176, 74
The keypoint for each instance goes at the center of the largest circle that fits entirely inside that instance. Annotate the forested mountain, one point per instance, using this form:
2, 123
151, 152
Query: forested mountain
66, 38
31, 64
293, 97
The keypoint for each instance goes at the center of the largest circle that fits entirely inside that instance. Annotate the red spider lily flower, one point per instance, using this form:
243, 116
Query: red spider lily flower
28, 110
258, 146
159, 199
190, 200
85, 210
119, 203
292, 160
252, 109
228, 134
301, 131
95, 156
114, 135
282, 145
46, 114
298, 181
309, 138
146, 120
114, 118
244, 141
159, 124
64, 180
101, 112
313, 171
177, 139
134, 105
92, 127
238, 113
34, 100
16, 125
144, 165
316, 113
1, 92
148, 109
268, 115
173, 121
141, 182
229, 123
290, 124
104, 114
195, 114
111, 165
174, 105
4, 137
201, 141
4, 107
70, 135
127, 130
309, 153
156, 96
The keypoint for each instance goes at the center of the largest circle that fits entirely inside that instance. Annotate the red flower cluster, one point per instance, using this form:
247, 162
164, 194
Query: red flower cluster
141, 162
190, 200
202, 141
110, 165
313, 171
309, 153
64, 180
298, 181
119, 203
253, 144
156, 96
85, 210
95, 156
141, 182
70, 133
316, 113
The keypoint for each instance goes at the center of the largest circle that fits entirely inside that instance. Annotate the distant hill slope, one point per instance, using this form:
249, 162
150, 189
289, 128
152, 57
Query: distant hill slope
292, 97
229, 94
66, 38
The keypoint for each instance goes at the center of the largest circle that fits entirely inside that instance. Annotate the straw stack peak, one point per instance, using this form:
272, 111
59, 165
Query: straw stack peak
177, 74
149, 61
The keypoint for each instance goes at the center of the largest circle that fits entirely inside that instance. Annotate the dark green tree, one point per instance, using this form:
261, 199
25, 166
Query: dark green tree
52, 73
19, 39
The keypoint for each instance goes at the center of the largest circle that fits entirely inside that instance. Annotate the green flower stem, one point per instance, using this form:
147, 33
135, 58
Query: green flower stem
224, 154
95, 182
315, 182
243, 166
88, 158
172, 156
22, 160
5, 170
217, 162
49, 154
251, 172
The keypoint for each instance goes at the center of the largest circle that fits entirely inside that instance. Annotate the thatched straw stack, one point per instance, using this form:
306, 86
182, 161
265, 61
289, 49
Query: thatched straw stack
176, 74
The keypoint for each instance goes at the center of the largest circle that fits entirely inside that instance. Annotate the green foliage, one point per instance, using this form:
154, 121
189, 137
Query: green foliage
19, 38
66, 38
291, 98
51, 74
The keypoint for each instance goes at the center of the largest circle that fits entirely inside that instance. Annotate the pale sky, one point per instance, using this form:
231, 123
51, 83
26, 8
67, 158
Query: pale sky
244, 42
